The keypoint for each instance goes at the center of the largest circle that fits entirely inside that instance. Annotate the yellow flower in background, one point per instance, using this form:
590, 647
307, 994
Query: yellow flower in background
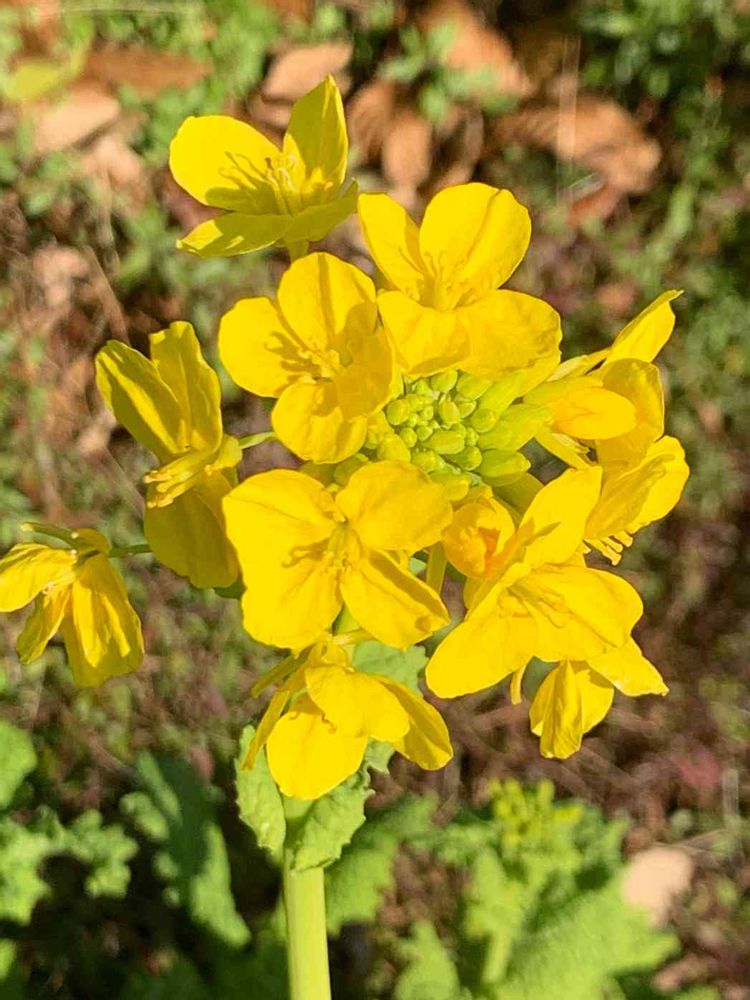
575, 696
319, 349
291, 195
172, 405
443, 308
305, 551
319, 722
76, 591
538, 598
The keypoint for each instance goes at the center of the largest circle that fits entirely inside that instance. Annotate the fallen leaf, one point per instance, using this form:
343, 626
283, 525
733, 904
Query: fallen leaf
299, 69
595, 203
112, 162
291, 10
477, 47
406, 156
459, 139
84, 110
147, 71
655, 878
369, 113
56, 269
597, 133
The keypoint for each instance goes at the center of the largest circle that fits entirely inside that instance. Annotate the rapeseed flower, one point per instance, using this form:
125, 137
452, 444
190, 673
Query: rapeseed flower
305, 551
320, 349
536, 596
76, 591
291, 195
319, 722
442, 307
172, 405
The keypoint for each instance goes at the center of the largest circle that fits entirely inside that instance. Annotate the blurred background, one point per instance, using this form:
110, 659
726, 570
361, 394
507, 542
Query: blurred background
623, 126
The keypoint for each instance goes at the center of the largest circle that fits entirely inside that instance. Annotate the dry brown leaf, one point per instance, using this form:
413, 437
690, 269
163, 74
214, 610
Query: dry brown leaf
85, 109
459, 142
369, 114
596, 133
477, 47
56, 269
406, 157
147, 71
298, 70
292, 10
597, 203
112, 163
655, 878
40, 24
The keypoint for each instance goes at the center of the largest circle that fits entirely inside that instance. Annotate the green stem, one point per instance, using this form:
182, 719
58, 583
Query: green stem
436, 563
306, 940
253, 439
129, 550
297, 250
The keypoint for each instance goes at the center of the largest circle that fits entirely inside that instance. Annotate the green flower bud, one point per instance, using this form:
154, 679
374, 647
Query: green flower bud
413, 420
392, 447
408, 436
397, 411
444, 381
471, 386
468, 459
465, 406
421, 387
500, 467
448, 412
448, 442
428, 412
376, 429
500, 395
423, 432
483, 420
346, 469
456, 484
426, 460
471, 436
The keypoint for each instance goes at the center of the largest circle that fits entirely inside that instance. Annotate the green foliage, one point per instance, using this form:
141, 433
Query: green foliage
259, 800
176, 812
19, 760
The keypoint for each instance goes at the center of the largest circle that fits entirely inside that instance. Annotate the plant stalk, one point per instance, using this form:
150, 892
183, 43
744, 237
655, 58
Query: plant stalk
306, 939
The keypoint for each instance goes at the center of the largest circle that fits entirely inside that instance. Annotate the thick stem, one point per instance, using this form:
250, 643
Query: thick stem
306, 940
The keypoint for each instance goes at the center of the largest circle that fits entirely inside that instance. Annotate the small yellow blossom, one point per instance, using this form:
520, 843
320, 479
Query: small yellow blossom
443, 308
305, 551
575, 696
319, 722
269, 195
537, 597
77, 592
319, 349
172, 405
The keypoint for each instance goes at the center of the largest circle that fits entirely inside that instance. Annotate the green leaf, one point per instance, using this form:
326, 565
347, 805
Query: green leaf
403, 665
107, 849
259, 800
19, 760
430, 973
181, 980
176, 811
11, 985
21, 852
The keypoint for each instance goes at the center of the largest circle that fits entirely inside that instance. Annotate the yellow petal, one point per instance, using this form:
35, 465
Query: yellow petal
508, 331
189, 536
307, 756
593, 412
223, 162
317, 135
640, 383
570, 701
365, 385
389, 602
315, 221
271, 716
326, 301
629, 670
101, 631
356, 704
392, 238
427, 741
474, 235
140, 399
276, 510
645, 335
394, 505
42, 623
478, 531
235, 233
27, 569
484, 649
579, 612
310, 422
425, 341
258, 349
176, 355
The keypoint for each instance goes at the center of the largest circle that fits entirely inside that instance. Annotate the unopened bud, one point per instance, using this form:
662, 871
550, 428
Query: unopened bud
471, 436
469, 459
397, 412
465, 406
444, 381
456, 484
408, 436
448, 442
428, 412
448, 412
500, 395
377, 427
423, 432
483, 420
392, 447
471, 386
421, 387
346, 469
500, 467
426, 460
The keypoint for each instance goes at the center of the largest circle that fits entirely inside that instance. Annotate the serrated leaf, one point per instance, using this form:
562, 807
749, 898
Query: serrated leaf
106, 849
19, 760
21, 853
430, 973
176, 810
259, 800
403, 665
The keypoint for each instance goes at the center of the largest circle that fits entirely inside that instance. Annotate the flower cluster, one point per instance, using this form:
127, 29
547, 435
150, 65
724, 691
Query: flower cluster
414, 403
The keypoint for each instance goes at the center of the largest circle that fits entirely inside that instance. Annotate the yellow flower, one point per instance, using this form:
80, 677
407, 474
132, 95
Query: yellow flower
538, 598
575, 696
317, 741
172, 405
290, 195
443, 309
78, 592
319, 349
304, 552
